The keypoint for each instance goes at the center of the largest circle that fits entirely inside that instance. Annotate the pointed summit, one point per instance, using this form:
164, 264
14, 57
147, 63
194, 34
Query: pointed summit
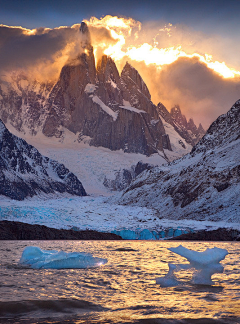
84, 28
85, 36
107, 70
201, 130
131, 76
178, 116
192, 127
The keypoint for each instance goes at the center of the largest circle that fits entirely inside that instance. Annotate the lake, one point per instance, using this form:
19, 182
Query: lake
122, 291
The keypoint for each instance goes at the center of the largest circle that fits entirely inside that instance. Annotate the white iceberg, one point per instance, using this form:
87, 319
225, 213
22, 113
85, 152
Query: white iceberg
37, 258
205, 263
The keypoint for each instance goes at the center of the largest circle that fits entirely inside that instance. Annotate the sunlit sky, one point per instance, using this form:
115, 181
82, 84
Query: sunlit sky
221, 16
198, 40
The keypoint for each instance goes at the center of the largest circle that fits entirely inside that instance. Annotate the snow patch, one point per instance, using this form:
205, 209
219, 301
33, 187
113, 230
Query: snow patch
108, 110
90, 88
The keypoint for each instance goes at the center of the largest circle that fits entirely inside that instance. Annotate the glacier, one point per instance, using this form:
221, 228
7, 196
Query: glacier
37, 258
205, 263
96, 213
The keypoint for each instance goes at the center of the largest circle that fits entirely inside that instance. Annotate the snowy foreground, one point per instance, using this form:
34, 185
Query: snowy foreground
96, 214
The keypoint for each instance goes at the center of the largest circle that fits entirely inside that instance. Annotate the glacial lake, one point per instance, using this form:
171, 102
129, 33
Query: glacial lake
122, 291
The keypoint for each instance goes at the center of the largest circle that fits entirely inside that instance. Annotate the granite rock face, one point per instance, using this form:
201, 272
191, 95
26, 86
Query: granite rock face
202, 185
187, 129
115, 111
24, 172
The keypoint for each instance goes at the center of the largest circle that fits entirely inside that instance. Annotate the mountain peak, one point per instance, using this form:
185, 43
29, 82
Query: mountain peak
130, 74
202, 185
201, 130
84, 28
85, 36
107, 70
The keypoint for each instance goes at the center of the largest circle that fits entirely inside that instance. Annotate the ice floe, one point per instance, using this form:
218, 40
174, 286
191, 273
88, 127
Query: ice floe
37, 258
204, 263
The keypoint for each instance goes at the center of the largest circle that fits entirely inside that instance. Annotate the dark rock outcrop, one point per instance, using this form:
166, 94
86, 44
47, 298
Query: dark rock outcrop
23, 231
24, 172
220, 234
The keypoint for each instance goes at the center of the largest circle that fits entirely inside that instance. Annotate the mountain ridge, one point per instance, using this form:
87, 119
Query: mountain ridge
24, 172
203, 184
115, 111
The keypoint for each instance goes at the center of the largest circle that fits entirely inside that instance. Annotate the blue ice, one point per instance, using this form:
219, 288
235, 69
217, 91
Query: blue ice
204, 263
37, 258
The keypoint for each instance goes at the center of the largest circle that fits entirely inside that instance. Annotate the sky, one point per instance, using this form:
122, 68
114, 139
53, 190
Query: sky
198, 27
212, 15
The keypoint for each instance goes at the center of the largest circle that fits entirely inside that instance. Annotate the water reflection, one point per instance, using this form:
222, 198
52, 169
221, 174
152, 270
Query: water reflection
122, 291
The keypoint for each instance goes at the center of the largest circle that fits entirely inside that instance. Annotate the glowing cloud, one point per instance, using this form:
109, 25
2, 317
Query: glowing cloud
121, 29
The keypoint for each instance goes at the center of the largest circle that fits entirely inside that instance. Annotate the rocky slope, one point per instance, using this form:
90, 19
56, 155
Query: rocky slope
202, 185
95, 102
24, 172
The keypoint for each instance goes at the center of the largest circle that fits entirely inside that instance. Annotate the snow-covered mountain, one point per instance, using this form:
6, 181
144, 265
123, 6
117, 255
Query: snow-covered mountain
202, 185
95, 102
24, 172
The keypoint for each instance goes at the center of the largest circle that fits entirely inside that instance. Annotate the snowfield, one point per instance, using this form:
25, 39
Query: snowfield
90, 164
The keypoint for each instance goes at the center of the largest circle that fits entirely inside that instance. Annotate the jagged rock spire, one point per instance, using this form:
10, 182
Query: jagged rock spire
85, 36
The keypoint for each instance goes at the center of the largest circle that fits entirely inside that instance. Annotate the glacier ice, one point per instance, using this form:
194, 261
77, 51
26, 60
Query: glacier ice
205, 263
37, 258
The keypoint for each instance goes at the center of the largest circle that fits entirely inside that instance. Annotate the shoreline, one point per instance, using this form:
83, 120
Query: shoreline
11, 230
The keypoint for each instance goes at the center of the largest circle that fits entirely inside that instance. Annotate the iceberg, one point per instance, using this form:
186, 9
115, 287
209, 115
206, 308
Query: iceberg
37, 258
205, 263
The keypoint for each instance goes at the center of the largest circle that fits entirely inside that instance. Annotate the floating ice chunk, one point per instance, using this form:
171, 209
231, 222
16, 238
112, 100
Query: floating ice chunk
169, 279
205, 263
198, 259
52, 259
